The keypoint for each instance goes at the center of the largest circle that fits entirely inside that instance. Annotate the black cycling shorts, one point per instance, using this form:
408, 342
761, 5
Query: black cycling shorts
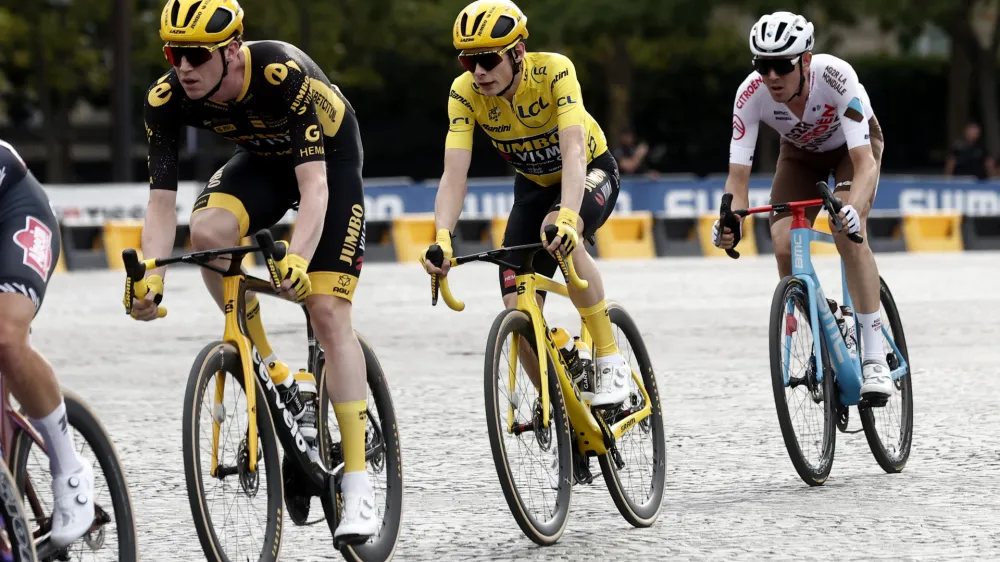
533, 202
259, 190
29, 240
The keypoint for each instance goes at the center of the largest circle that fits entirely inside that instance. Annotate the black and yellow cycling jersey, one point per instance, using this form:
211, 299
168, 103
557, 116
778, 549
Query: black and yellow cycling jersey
526, 131
287, 107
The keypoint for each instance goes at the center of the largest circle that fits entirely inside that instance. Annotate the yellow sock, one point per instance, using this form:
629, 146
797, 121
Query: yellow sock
256, 327
353, 420
598, 323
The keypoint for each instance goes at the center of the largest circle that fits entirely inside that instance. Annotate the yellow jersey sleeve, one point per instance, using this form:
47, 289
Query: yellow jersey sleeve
567, 93
461, 115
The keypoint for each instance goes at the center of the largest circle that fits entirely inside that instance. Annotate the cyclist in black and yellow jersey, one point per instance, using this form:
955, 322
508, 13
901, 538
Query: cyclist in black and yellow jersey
530, 106
298, 145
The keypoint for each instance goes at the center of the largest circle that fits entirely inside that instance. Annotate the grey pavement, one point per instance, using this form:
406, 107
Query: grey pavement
732, 492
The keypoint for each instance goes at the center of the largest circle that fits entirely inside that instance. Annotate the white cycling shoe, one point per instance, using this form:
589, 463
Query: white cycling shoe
359, 519
613, 374
73, 510
877, 379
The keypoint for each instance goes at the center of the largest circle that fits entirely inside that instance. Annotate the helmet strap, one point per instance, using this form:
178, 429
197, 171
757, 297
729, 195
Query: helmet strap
516, 66
802, 82
225, 71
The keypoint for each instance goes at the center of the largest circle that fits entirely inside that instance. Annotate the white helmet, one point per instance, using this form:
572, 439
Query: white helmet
781, 34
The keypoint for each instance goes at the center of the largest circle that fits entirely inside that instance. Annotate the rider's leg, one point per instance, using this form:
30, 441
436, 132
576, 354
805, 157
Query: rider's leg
28, 376
242, 196
795, 179
863, 276
600, 195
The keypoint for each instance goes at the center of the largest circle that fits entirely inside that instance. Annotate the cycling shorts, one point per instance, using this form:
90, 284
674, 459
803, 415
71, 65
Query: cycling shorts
532, 203
798, 172
29, 240
260, 189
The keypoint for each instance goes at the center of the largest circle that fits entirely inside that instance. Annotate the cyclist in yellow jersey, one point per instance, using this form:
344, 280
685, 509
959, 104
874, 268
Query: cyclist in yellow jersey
531, 108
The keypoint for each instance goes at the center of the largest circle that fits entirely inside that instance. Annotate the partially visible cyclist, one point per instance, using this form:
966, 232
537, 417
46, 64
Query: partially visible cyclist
298, 146
826, 123
29, 250
531, 107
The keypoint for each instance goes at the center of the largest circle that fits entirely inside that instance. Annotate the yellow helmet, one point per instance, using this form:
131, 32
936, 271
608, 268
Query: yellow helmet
200, 21
489, 23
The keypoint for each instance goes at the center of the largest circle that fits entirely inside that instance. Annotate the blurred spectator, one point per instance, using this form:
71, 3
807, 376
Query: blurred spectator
968, 157
631, 157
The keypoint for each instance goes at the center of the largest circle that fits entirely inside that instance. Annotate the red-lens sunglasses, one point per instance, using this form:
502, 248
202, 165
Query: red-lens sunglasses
488, 61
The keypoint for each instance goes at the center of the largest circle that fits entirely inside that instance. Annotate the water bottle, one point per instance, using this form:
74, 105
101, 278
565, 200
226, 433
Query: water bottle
586, 380
307, 393
845, 321
568, 350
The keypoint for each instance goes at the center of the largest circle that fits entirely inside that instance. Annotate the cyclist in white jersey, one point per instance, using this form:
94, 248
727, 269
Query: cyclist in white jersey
826, 123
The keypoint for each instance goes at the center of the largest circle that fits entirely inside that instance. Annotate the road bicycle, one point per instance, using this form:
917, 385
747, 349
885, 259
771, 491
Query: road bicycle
548, 413
240, 467
26, 531
832, 382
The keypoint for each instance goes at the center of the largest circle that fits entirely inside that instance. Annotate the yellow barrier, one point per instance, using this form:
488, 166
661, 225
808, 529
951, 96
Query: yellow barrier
411, 234
933, 232
497, 227
627, 236
120, 234
746, 247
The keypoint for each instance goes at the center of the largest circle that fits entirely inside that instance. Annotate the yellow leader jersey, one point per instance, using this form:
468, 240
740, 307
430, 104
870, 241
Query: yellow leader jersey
526, 130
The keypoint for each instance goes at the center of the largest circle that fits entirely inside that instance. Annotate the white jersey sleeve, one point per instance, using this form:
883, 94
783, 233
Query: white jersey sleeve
746, 120
851, 99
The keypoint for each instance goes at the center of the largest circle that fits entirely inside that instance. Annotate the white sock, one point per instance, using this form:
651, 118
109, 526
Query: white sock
870, 328
54, 429
356, 483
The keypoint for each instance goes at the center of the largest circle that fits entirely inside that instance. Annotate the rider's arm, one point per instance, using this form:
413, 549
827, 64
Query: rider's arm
746, 124
850, 105
457, 157
160, 225
308, 153
572, 137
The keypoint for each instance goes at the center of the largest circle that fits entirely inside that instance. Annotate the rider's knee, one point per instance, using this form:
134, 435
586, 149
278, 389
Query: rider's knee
213, 228
330, 316
13, 340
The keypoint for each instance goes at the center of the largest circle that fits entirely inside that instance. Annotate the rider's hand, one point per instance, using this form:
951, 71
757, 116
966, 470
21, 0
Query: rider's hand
850, 219
144, 309
725, 241
444, 241
295, 284
566, 236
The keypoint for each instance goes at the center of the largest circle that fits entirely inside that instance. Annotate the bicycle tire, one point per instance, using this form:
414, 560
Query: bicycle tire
15, 521
85, 421
219, 356
509, 322
882, 455
791, 287
384, 547
639, 514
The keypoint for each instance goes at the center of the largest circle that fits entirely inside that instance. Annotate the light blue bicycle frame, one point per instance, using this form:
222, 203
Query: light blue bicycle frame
846, 371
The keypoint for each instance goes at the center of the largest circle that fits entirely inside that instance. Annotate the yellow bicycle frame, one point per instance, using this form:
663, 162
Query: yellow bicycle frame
589, 430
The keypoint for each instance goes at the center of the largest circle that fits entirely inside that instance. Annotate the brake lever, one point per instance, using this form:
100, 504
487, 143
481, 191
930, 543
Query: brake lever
728, 219
833, 205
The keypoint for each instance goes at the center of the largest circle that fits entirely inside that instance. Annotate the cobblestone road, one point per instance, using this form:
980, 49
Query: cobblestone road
731, 491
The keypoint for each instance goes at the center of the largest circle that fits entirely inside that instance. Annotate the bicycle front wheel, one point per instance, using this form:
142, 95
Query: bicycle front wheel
806, 407
636, 476
236, 488
889, 428
16, 542
113, 536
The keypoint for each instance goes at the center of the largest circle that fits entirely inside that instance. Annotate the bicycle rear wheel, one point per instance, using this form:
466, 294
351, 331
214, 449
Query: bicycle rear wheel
233, 477
811, 453
889, 428
383, 459
16, 542
114, 533
538, 497
636, 478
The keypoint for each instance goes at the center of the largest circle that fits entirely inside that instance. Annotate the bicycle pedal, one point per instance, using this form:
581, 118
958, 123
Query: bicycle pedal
874, 400
349, 540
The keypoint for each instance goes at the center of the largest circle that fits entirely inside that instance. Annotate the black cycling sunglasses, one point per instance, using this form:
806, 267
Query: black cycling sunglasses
780, 67
488, 61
